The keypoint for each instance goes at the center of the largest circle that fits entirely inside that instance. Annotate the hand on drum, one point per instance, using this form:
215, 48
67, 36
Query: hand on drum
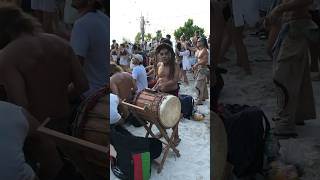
160, 85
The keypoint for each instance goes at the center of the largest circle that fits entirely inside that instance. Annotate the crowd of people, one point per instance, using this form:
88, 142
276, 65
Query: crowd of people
291, 28
46, 72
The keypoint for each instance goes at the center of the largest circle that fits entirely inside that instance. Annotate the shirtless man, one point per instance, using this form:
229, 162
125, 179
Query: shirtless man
202, 70
168, 75
35, 71
122, 83
36, 68
291, 69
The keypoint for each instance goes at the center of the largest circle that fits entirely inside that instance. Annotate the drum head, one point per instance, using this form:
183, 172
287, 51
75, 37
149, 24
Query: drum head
170, 110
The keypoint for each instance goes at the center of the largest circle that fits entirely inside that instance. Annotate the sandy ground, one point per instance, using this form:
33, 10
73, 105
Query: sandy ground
194, 162
258, 90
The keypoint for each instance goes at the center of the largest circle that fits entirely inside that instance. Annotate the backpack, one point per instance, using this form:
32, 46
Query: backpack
134, 154
187, 105
247, 128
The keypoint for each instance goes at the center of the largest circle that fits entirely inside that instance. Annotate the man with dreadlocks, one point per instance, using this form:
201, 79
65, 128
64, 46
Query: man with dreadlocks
201, 70
168, 74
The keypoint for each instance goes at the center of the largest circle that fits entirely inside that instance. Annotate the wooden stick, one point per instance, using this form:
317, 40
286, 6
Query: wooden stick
71, 139
133, 106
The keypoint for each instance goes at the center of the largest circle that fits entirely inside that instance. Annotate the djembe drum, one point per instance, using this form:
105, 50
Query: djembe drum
92, 124
160, 107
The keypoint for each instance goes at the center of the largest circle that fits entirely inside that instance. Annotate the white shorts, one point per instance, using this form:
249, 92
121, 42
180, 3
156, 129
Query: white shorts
114, 58
186, 65
124, 61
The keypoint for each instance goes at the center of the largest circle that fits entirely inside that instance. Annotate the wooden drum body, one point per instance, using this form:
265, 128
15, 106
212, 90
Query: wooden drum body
92, 124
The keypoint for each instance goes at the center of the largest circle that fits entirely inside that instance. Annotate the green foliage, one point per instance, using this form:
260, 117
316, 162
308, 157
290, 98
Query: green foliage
188, 30
138, 38
158, 35
148, 37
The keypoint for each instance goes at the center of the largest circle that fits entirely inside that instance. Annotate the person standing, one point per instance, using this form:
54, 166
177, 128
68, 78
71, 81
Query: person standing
201, 70
186, 64
291, 76
91, 44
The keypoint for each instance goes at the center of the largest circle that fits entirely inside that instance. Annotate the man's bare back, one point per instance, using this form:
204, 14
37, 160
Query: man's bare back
36, 71
122, 84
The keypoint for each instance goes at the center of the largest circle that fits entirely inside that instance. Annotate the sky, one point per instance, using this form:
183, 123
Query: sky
164, 15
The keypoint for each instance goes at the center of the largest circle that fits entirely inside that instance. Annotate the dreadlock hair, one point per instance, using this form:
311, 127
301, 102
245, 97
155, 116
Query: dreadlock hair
114, 68
172, 62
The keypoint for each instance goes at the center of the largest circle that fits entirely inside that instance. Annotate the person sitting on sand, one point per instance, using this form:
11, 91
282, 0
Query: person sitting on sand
139, 73
168, 75
122, 83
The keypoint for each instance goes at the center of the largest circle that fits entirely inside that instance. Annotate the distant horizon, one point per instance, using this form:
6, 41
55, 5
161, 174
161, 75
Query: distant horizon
125, 20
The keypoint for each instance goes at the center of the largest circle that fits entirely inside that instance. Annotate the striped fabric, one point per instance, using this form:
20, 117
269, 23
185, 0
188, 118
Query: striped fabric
141, 163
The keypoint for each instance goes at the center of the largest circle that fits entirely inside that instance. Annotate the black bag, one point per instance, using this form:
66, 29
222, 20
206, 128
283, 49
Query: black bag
127, 146
247, 128
187, 105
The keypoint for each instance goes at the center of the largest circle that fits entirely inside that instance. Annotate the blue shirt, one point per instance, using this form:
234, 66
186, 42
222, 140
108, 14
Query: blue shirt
89, 39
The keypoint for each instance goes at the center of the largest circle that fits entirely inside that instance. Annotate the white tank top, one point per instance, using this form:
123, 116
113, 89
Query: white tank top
13, 131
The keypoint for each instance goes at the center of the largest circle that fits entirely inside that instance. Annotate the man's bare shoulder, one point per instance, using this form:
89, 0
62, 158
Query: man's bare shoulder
32, 44
159, 64
121, 76
204, 51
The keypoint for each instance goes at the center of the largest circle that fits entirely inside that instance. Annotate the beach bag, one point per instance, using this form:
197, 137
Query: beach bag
187, 105
134, 154
247, 128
